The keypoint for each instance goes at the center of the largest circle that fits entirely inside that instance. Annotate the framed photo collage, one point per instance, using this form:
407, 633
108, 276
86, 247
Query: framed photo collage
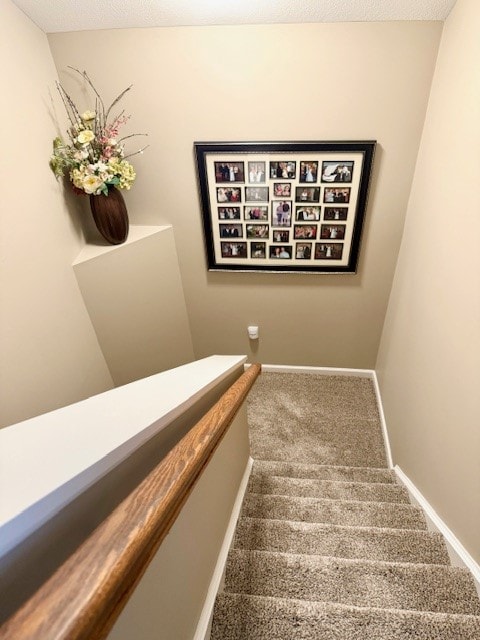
283, 207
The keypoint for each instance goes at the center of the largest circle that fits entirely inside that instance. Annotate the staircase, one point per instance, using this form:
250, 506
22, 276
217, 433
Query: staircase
328, 546
338, 553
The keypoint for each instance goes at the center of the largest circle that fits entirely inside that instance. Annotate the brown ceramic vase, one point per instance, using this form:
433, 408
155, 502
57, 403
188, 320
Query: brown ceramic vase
110, 215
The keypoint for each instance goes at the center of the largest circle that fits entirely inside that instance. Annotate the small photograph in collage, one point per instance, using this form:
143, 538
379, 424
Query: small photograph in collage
229, 194
280, 235
282, 189
286, 170
306, 214
307, 194
257, 230
337, 171
308, 171
303, 250
256, 172
257, 212
233, 249
328, 251
256, 194
258, 249
229, 213
281, 213
229, 171
305, 231
335, 213
281, 252
231, 231
336, 195
332, 232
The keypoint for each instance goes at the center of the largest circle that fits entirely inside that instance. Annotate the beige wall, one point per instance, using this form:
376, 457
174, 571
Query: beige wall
49, 355
281, 82
168, 601
429, 359
139, 315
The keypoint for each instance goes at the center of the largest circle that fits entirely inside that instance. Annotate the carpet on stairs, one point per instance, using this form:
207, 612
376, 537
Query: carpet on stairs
327, 546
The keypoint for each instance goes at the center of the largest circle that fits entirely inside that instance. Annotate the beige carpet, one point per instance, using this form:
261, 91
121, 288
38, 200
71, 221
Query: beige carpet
328, 546
305, 418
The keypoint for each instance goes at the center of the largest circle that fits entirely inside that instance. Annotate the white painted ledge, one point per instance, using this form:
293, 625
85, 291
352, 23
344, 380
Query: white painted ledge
135, 233
47, 461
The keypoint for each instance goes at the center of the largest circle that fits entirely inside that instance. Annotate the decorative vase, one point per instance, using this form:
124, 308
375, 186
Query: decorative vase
110, 215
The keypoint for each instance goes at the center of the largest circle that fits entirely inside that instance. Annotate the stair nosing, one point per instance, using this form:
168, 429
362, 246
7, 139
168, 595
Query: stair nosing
341, 500
355, 482
357, 561
424, 532
346, 607
325, 466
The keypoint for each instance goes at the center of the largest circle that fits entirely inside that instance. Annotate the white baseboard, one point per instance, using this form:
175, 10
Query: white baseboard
325, 371
202, 631
383, 422
459, 556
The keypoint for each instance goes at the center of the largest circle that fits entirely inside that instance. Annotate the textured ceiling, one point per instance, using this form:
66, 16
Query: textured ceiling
79, 15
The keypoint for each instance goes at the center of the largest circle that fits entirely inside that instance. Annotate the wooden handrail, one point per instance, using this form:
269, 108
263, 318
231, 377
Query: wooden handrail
83, 598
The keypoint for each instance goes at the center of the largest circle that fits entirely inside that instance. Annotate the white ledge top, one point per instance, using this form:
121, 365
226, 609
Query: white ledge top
135, 233
47, 461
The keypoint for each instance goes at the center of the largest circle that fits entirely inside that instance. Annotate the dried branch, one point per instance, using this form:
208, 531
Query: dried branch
98, 96
130, 155
117, 100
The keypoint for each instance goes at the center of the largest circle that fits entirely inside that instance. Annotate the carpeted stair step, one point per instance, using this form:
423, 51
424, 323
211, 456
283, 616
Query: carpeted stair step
334, 490
321, 472
332, 420
342, 512
243, 617
390, 545
361, 583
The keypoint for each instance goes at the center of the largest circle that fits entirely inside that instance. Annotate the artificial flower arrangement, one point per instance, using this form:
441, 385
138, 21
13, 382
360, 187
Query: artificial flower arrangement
94, 157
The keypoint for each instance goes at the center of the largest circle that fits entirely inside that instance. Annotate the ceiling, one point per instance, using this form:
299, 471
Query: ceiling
80, 15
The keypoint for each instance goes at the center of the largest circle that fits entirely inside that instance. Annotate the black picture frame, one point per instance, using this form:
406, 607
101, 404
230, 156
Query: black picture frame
338, 203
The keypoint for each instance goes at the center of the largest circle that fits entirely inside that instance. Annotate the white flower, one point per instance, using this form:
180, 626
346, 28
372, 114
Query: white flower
80, 155
99, 167
91, 183
88, 116
111, 142
84, 137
